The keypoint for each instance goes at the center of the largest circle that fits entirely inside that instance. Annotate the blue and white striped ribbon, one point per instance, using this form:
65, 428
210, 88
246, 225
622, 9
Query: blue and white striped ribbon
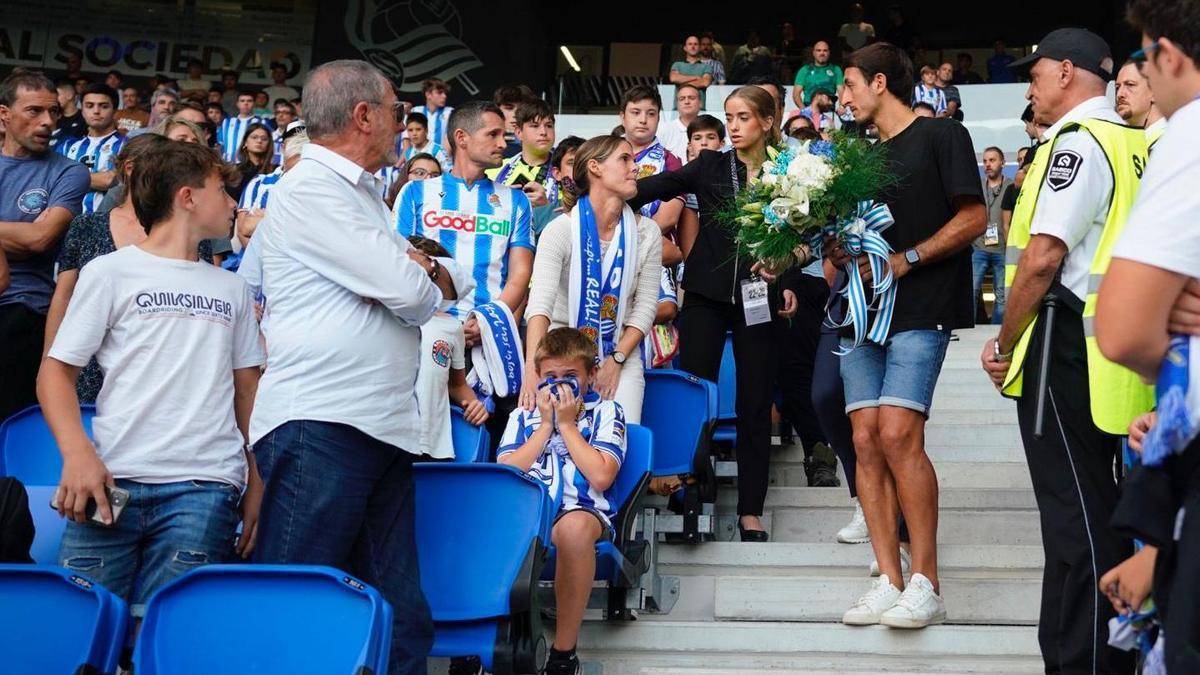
861, 234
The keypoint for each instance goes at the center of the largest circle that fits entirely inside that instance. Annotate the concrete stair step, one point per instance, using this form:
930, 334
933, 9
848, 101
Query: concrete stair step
965, 526
779, 497
744, 638
783, 559
951, 474
998, 601
686, 663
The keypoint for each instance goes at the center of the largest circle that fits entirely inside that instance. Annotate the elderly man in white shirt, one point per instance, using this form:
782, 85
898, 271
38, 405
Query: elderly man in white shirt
335, 421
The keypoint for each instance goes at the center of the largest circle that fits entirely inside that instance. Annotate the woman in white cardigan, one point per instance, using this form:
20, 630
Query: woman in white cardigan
597, 269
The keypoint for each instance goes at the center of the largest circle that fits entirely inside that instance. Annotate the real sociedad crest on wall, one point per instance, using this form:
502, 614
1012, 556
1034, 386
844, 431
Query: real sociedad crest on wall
412, 41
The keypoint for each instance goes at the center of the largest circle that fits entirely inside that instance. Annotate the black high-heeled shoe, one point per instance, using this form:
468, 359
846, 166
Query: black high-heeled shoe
752, 535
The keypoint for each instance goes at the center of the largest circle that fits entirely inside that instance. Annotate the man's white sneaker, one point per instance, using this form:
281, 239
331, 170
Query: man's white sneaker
917, 607
871, 606
856, 532
905, 563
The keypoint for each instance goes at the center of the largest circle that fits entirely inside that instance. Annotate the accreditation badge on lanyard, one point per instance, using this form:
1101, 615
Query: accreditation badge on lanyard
754, 301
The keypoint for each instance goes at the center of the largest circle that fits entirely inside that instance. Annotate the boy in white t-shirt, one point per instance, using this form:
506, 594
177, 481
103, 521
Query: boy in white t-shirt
442, 376
178, 344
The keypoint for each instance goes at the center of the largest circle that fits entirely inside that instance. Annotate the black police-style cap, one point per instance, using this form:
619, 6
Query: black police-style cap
1081, 47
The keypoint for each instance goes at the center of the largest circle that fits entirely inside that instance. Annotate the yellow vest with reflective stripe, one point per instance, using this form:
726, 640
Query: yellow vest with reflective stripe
1117, 393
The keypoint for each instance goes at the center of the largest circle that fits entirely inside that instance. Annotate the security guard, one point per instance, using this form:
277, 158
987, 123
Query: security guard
1077, 193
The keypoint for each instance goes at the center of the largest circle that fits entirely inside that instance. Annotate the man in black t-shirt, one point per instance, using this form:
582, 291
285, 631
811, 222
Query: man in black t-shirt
938, 209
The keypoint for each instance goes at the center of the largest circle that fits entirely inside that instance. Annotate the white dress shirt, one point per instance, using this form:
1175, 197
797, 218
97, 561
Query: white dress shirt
345, 302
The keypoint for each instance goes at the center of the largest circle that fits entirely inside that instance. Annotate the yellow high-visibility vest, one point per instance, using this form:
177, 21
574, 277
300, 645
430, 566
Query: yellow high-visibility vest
1117, 393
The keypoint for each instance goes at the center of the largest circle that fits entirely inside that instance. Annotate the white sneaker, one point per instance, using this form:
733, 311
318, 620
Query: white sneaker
905, 564
856, 532
871, 606
917, 607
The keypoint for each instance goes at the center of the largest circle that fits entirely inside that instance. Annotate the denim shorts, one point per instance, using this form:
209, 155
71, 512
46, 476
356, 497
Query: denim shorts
901, 372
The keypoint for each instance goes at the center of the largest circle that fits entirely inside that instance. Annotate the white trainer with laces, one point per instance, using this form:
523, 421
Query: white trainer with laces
917, 607
871, 606
856, 532
905, 563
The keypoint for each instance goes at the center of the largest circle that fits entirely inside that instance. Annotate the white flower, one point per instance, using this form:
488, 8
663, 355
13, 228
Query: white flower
811, 171
770, 178
856, 227
799, 196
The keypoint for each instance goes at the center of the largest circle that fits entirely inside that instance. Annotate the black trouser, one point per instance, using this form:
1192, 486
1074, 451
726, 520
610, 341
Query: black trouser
1076, 490
798, 340
702, 324
829, 401
22, 332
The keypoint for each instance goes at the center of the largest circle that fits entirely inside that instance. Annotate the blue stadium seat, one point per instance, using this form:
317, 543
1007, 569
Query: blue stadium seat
471, 443
726, 431
261, 619
481, 537
47, 524
622, 562
680, 409
56, 621
28, 450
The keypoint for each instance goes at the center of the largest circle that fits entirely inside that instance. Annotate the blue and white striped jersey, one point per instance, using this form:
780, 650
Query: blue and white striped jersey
934, 96
230, 135
435, 149
438, 122
255, 194
478, 224
602, 425
388, 175
98, 154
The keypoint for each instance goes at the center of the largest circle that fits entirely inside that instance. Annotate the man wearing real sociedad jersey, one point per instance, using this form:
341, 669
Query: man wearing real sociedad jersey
98, 149
435, 109
486, 227
233, 129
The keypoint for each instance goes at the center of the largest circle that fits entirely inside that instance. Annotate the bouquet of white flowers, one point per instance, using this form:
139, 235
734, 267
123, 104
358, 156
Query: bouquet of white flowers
807, 191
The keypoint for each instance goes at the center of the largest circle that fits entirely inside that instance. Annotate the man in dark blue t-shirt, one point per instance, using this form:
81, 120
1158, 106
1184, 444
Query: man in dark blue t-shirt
40, 192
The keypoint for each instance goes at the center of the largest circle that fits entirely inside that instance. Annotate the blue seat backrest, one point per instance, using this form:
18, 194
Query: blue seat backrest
727, 383
475, 525
639, 458
264, 619
55, 621
470, 442
676, 409
28, 450
47, 524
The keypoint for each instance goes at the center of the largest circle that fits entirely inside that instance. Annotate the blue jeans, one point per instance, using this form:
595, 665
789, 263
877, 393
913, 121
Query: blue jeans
166, 530
982, 263
901, 372
336, 496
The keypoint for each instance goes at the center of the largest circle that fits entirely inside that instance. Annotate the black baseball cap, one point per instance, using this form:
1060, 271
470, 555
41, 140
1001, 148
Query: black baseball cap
1080, 46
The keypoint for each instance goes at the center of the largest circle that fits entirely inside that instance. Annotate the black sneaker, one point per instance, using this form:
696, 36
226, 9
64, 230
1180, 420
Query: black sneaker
821, 468
466, 665
570, 666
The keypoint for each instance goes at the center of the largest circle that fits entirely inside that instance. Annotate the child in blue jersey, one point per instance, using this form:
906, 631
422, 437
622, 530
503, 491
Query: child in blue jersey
575, 443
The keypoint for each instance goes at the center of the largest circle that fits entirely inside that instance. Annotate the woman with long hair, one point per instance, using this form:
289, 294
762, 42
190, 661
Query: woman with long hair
601, 243
715, 278
92, 235
255, 156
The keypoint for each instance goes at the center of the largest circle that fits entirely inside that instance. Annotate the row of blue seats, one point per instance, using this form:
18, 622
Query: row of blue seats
261, 619
484, 602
